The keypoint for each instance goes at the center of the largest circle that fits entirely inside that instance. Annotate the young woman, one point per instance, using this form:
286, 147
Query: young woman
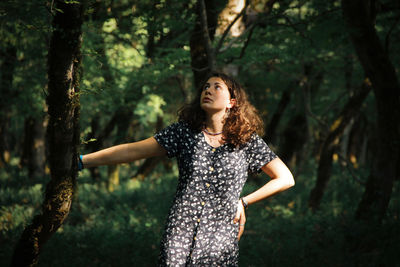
216, 145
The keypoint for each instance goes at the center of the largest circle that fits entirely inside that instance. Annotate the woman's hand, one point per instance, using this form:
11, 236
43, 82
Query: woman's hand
240, 217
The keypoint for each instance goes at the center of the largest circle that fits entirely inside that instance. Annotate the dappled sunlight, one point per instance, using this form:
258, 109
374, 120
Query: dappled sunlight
133, 64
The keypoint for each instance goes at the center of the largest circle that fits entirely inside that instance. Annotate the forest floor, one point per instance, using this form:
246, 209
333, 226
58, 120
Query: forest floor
123, 227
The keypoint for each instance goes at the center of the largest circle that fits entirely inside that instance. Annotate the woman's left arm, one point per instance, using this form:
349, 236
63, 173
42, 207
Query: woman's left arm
281, 179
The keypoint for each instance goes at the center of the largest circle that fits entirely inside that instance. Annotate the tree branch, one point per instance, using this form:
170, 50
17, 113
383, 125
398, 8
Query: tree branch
389, 33
237, 38
308, 108
243, 48
219, 45
292, 25
206, 36
347, 163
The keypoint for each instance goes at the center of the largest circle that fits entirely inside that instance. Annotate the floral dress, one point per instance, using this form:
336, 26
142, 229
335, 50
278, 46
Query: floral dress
200, 229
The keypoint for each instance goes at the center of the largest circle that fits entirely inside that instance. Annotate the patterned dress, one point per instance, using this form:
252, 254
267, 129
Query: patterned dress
200, 229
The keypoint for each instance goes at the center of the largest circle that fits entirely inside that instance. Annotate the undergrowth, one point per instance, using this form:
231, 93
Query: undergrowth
124, 227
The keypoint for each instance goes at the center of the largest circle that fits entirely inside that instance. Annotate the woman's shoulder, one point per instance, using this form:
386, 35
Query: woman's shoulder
179, 127
254, 138
185, 126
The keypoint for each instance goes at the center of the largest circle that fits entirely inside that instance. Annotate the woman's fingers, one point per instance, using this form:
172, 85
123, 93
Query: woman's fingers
241, 230
241, 218
237, 217
242, 222
238, 212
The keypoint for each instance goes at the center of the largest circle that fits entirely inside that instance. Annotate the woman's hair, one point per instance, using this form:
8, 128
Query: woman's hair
241, 121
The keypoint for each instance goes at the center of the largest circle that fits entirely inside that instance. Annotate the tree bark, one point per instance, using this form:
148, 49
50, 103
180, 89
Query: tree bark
359, 16
64, 61
211, 61
325, 162
201, 50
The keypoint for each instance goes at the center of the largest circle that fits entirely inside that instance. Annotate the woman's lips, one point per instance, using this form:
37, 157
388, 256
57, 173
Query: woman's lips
206, 99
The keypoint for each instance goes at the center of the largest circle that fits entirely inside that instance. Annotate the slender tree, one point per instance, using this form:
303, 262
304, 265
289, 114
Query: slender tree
360, 18
64, 63
8, 56
349, 111
201, 50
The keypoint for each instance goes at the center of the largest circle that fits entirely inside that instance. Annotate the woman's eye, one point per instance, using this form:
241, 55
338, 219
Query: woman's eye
206, 87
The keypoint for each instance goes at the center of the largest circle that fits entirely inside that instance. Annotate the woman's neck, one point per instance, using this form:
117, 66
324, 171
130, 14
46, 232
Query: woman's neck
214, 122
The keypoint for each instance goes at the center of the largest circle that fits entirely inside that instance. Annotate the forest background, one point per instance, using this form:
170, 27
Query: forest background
77, 76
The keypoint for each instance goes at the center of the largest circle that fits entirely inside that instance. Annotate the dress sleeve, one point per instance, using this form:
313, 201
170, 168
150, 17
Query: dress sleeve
169, 138
258, 154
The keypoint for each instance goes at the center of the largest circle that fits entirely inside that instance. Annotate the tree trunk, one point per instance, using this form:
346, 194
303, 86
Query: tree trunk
34, 147
294, 138
356, 147
200, 40
227, 18
9, 58
360, 16
272, 127
64, 61
325, 162
296, 134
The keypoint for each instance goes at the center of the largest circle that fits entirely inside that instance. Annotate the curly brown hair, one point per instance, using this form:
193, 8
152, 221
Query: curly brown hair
242, 120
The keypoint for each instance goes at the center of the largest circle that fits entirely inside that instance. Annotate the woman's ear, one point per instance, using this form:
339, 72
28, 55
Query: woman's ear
232, 103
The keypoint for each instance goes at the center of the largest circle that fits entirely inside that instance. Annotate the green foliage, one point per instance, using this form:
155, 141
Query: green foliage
136, 57
149, 109
28, 34
125, 227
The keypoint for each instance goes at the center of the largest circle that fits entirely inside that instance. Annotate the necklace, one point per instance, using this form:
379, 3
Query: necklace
213, 134
213, 140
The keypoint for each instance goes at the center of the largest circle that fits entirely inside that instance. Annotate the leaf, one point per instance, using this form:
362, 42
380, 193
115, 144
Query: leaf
85, 142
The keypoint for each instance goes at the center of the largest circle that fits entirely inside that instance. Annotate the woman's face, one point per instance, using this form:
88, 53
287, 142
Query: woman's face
215, 96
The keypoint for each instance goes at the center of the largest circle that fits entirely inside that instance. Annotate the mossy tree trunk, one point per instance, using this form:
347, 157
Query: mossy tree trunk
64, 64
360, 18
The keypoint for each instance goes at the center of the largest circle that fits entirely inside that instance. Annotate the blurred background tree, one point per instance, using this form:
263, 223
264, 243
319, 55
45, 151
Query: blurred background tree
328, 97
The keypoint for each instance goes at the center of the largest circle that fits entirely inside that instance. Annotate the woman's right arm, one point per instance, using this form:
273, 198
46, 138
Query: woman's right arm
124, 153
